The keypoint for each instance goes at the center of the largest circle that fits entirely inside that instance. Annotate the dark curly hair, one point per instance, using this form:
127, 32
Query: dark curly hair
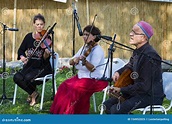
93, 30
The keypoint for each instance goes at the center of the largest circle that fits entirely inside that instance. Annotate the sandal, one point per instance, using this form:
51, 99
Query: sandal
34, 97
29, 99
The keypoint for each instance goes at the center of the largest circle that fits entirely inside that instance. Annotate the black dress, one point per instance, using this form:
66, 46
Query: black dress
37, 66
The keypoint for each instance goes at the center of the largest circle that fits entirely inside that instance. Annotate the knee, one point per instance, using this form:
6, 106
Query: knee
18, 77
28, 78
114, 109
106, 107
110, 108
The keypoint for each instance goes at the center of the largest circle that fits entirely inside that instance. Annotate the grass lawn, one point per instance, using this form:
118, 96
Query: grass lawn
22, 107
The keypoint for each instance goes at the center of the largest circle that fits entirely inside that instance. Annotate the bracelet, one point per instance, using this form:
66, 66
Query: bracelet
84, 61
93, 69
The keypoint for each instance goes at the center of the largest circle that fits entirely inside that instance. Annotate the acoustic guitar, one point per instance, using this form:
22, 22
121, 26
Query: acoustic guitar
123, 81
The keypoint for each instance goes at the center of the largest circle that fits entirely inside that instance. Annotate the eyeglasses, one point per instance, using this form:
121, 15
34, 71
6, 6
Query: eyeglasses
86, 34
136, 33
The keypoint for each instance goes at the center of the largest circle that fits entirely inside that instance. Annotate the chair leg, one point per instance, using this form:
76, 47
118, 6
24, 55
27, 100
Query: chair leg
15, 93
94, 102
104, 98
42, 96
154, 106
55, 86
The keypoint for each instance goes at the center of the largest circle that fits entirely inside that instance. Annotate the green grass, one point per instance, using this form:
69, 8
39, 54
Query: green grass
22, 107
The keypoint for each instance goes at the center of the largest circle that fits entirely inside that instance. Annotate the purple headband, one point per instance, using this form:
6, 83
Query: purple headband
146, 28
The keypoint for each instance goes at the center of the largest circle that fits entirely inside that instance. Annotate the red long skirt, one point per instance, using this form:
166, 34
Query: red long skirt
73, 95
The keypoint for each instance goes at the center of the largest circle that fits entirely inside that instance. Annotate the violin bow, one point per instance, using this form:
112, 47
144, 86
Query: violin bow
89, 33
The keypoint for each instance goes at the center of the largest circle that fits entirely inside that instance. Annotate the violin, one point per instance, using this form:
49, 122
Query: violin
87, 51
46, 43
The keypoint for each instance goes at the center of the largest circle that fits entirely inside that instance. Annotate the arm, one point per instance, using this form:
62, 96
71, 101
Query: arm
91, 61
85, 63
23, 48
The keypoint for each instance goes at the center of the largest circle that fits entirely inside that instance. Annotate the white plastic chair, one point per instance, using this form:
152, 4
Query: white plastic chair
49, 76
167, 86
117, 64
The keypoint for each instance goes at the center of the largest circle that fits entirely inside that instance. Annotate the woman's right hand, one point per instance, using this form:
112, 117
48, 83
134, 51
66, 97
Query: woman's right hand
115, 76
74, 61
23, 59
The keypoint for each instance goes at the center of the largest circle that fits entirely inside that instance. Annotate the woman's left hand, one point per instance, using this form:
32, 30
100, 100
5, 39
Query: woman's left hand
46, 53
116, 89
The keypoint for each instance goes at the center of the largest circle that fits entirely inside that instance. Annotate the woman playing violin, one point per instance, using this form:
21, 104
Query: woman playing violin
73, 95
35, 59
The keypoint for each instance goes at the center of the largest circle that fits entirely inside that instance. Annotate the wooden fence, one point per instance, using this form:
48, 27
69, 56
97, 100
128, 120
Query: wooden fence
113, 17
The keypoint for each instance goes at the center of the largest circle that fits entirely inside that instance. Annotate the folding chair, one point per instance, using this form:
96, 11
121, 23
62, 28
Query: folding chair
117, 64
167, 86
49, 76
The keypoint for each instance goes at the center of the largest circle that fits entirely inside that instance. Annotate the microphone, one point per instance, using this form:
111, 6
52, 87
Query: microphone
105, 79
114, 37
12, 29
51, 29
77, 20
104, 37
79, 29
47, 33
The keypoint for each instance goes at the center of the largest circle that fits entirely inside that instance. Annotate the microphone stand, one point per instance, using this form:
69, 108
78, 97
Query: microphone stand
52, 34
73, 51
75, 20
50, 31
111, 49
152, 62
152, 78
4, 97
